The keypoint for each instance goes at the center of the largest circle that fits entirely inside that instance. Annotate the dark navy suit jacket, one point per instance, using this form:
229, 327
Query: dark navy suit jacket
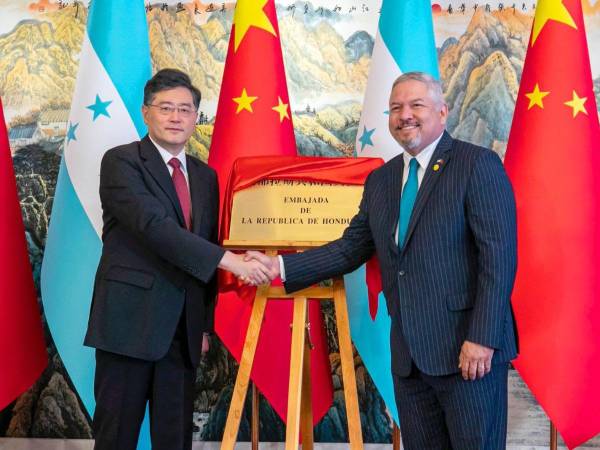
151, 266
453, 279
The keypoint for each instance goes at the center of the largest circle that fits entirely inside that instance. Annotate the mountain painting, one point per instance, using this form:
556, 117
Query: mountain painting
327, 46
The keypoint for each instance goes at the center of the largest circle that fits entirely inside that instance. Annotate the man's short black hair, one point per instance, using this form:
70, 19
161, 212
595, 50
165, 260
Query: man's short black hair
166, 79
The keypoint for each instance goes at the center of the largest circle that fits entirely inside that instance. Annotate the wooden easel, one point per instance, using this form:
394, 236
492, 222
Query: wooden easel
299, 415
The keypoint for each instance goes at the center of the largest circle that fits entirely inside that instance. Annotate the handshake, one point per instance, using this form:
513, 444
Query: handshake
253, 268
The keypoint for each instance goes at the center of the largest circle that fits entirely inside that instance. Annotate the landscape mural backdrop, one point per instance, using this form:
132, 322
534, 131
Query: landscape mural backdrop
327, 47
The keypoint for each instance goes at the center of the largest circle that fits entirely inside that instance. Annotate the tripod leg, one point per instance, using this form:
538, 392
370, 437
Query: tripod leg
347, 359
241, 382
306, 416
296, 364
255, 422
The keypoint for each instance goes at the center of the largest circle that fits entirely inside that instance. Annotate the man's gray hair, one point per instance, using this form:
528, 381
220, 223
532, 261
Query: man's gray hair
433, 86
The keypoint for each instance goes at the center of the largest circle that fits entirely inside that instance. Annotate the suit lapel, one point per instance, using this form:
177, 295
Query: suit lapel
159, 171
198, 193
440, 156
394, 186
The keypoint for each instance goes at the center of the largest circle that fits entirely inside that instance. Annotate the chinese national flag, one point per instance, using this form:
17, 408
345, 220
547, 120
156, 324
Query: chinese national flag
23, 354
553, 160
254, 119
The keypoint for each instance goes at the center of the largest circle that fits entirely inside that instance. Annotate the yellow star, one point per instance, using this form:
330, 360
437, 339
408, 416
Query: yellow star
577, 104
550, 10
244, 102
536, 96
282, 109
249, 13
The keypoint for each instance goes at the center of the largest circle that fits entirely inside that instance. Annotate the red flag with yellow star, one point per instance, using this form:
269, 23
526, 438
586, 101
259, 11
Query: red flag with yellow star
553, 160
23, 354
254, 119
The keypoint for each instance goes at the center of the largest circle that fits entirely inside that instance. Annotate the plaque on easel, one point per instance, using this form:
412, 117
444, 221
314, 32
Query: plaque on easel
294, 204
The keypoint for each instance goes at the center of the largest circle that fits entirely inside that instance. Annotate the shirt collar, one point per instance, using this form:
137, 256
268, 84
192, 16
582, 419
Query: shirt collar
166, 156
424, 155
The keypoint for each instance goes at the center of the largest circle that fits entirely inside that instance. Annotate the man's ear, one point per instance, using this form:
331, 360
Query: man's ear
145, 110
444, 114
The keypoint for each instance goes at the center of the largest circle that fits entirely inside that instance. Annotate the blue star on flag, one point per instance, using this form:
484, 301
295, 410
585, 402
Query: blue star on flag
99, 108
71, 132
365, 139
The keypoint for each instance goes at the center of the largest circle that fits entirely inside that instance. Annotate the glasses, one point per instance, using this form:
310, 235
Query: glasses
167, 110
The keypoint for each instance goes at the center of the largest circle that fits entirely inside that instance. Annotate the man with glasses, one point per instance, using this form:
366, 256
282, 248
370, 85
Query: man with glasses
155, 285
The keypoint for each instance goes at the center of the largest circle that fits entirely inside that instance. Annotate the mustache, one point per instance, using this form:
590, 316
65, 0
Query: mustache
404, 123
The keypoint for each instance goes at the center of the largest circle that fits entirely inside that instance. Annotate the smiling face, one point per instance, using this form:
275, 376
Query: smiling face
416, 118
172, 130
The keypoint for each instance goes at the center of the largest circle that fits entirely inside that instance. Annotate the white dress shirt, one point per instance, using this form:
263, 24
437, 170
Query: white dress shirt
166, 156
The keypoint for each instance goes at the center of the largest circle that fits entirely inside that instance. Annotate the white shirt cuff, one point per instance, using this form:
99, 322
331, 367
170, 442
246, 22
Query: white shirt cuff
281, 268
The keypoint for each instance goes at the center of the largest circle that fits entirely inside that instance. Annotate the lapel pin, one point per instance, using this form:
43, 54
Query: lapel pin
438, 164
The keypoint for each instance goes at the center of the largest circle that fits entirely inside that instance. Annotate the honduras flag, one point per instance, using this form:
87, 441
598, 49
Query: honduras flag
404, 43
105, 112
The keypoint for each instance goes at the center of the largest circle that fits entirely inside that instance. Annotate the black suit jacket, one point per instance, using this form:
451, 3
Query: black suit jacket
453, 279
151, 265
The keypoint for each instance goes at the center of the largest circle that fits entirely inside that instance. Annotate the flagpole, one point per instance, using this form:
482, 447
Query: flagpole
553, 437
395, 437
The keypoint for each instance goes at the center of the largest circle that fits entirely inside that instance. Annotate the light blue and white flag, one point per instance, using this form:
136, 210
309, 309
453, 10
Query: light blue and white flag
105, 112
404, 43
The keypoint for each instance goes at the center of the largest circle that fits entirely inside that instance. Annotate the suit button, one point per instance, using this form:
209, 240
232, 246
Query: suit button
402, 273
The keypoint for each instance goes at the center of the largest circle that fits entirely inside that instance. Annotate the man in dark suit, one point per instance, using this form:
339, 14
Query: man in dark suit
155, 286
441, 219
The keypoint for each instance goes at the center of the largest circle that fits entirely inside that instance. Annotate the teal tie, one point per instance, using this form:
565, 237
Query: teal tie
407, 201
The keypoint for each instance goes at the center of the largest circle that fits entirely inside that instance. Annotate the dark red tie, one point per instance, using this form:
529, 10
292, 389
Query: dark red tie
183, 192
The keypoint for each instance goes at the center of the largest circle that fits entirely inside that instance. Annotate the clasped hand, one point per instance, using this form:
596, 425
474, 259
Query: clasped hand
253, 268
